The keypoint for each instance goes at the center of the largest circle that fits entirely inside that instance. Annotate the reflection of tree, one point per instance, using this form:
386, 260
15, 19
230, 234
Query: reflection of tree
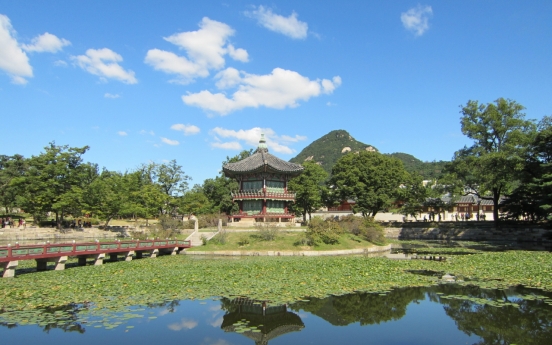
531, 323
364, 308
170, 305
270, 321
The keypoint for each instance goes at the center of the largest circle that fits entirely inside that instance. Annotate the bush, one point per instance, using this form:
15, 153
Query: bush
169, 223
366, 228
323, 231
267, 232
243, 241
220, 238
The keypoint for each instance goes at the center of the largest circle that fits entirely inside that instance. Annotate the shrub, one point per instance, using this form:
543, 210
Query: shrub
323, 231
244, 240
267, 232
221, 237
366, 228
169, 223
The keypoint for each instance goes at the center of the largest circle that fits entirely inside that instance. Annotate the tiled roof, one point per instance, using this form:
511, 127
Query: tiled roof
259, 161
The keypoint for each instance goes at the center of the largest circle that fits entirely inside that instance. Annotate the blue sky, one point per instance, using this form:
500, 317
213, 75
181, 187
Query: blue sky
197, 81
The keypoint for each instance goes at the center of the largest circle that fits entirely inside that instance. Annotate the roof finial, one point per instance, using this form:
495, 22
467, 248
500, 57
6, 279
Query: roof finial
262, 144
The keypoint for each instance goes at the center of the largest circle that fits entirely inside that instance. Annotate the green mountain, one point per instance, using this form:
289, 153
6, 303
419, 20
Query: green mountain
332, 146
328, 149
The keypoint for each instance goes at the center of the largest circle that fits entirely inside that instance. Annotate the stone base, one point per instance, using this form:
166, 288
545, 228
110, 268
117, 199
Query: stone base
9, 268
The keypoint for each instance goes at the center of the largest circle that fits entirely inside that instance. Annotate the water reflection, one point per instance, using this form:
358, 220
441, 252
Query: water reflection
468, 313
257, 320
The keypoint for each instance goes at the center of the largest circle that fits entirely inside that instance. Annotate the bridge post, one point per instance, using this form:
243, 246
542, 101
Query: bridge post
128, 255
174, 251
42, 264
196, 225
98, 259
154, 253
219, 225
9, 268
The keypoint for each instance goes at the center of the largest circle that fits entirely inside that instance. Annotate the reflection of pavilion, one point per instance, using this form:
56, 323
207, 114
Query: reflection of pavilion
272, 321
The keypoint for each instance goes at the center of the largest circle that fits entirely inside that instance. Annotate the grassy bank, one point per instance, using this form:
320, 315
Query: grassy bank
283, 241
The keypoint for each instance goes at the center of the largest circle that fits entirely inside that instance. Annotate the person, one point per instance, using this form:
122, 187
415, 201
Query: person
462, 216
20, 222
24, 224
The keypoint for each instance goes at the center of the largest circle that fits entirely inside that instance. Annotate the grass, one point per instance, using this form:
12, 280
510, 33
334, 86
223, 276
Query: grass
284, 241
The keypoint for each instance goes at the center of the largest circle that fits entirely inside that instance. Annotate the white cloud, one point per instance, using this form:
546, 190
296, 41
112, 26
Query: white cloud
13, 59
205, 49
228, 78
183, 324
46, 43
282, 88
122, 133
289, 26
186, 129
146, 132
251, 138
105, 64
60, 63
230, 145
169, 141
416, 19
238, 54
111, 95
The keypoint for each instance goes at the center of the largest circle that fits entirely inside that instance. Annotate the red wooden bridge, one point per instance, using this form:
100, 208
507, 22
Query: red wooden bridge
58, 253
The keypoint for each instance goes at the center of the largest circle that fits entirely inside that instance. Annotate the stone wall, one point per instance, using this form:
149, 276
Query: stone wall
465, 232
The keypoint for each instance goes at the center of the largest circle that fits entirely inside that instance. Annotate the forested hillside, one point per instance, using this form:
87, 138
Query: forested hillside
328, 149
429, 170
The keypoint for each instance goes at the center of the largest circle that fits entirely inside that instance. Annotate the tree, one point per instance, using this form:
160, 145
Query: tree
219, 190
500, 134
108, 195
533, 196
195, 201
171, 180
11, 167
371, 179
309, 189
413, 194
54, 181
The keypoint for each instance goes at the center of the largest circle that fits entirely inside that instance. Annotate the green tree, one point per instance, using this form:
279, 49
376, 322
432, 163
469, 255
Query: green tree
54, 182
533, 195
219, 190
413, 194
195, 201
501, 135
371, 179
309, 188
108, 195
11, 167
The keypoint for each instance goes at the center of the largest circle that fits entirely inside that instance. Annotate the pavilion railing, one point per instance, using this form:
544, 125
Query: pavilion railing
262, 194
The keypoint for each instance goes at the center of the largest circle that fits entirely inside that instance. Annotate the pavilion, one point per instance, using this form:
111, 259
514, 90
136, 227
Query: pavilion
263, 178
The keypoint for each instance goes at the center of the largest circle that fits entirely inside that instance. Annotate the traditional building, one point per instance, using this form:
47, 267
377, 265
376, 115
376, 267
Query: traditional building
263, 179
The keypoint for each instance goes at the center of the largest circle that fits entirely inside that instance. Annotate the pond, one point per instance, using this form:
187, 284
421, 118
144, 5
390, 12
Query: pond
443, 314
483, 293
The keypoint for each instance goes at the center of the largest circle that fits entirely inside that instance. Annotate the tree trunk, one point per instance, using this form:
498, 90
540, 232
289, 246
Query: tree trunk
58, 224
305, 217
107, 222
496, 197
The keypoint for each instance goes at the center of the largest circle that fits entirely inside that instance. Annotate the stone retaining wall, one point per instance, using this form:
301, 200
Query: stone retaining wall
521, 234
375, 249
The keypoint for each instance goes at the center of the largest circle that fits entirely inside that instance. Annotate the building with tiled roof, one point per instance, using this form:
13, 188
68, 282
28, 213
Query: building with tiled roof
263, 179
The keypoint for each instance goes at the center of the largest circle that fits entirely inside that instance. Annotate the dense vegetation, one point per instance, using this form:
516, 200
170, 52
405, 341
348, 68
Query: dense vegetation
428, 170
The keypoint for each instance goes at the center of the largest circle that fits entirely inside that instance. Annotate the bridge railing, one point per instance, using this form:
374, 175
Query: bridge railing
40, 251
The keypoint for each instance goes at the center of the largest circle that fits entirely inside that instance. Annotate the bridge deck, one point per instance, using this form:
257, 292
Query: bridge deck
59, 252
